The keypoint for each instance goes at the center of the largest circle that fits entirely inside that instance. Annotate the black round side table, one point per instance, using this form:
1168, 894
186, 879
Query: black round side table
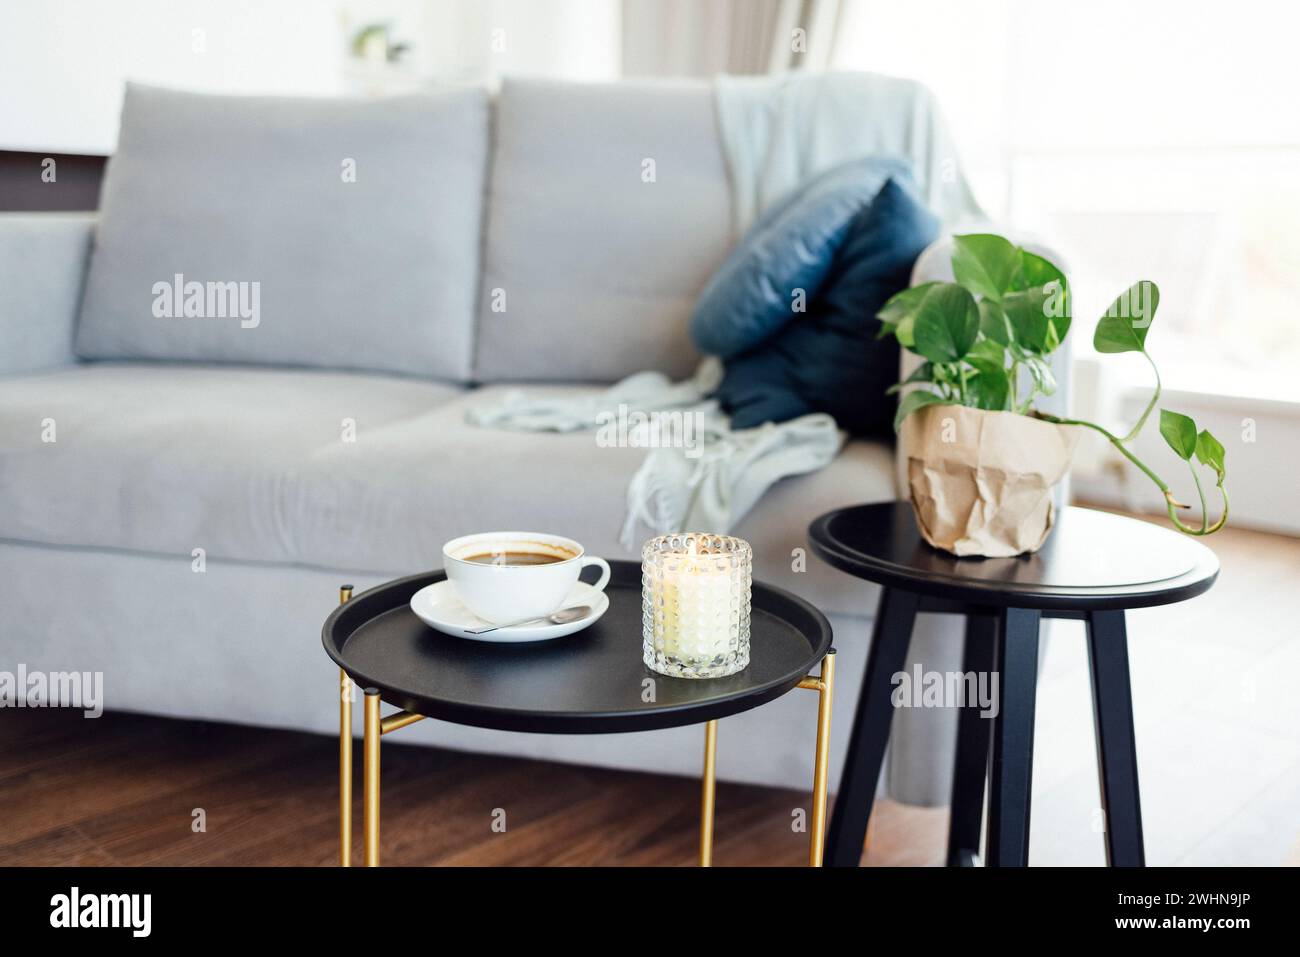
592, 682
1093, 567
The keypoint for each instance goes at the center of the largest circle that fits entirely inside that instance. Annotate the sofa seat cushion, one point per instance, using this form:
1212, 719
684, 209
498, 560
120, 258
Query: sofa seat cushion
334, 233
253, 465
170, 458
416, 483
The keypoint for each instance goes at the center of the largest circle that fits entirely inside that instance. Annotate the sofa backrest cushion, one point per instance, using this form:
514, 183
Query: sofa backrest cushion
608, 210
338, 233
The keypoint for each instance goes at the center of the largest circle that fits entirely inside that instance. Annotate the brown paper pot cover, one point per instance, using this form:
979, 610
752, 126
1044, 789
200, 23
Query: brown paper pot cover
981, 482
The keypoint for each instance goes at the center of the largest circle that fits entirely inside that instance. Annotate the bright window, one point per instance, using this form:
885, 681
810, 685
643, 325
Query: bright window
1156, 140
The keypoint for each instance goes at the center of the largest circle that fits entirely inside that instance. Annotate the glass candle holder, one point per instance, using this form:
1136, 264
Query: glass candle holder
695, 604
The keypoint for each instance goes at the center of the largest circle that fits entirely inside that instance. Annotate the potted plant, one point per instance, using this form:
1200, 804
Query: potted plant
981, 459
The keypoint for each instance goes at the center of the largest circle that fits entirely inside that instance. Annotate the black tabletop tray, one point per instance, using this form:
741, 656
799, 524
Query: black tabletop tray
591, 682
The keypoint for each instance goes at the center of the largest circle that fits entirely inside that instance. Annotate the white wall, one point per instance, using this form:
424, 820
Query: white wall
482, 40
1261, 440
63, 62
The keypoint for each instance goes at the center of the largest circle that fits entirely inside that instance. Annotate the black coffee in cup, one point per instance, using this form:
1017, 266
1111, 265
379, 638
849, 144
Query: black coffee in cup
516, 558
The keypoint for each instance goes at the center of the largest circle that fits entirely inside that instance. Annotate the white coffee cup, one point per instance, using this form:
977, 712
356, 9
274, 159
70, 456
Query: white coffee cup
500, 592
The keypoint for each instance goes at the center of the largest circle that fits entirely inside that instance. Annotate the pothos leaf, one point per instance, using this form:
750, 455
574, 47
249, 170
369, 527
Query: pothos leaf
1180, 432
946, 324
993, 322
987, 351
1027, 311
913, 401
1059, 307
1124, 326
1209, 451
985, 264
899, 312
1041, 372
990, 386
922, 373
1035, 271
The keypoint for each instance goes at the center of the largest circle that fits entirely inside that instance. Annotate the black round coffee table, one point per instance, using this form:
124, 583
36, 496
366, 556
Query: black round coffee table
592, 682
1093, 566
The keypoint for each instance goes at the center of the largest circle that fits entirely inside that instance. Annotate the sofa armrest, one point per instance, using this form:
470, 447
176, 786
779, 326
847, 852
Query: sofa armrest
935, 265
43, 258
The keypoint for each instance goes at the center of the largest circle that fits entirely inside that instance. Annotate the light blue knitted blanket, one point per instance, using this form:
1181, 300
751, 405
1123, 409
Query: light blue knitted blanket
699, 474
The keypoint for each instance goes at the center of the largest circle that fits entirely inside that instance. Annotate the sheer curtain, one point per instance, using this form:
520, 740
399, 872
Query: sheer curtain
706, 37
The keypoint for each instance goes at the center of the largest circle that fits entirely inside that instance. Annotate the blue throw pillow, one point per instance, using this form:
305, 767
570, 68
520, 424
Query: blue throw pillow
829, 359
792, 246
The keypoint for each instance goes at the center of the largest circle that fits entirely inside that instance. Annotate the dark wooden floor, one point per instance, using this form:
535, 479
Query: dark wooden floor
123, 789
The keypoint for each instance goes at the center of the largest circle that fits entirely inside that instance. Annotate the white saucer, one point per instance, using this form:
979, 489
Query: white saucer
439, 607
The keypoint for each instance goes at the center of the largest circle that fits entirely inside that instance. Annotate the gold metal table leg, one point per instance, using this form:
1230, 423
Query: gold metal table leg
345, 769
821, 765
345, 755
370, 780
706, 797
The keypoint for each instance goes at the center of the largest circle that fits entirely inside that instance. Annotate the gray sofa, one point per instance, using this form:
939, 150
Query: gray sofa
179, 508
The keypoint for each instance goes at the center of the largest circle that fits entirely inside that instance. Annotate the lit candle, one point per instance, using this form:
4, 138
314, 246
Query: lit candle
695, 602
